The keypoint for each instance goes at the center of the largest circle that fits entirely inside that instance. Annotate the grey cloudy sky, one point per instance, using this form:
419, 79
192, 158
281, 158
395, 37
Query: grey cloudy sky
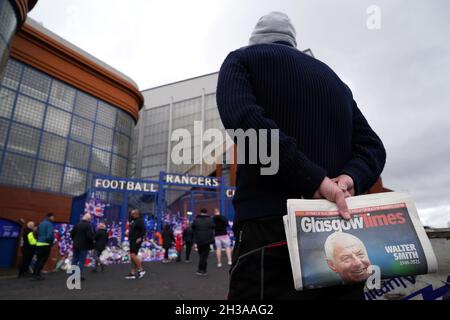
400, 74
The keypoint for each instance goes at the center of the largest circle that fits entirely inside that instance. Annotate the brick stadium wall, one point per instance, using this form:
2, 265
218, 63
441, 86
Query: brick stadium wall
31, 205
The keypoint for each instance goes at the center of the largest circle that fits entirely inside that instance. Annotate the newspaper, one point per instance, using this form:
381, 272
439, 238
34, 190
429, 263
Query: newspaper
384, 234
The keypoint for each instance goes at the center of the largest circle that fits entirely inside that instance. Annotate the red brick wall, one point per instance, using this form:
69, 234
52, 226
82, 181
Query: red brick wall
17, 203
31, 205
378, 187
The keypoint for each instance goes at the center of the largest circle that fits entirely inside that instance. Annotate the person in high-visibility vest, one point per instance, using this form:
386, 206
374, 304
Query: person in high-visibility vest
28, 248
46, 237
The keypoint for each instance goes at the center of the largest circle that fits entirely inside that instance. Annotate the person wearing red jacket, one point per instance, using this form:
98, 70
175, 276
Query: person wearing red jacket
179, 245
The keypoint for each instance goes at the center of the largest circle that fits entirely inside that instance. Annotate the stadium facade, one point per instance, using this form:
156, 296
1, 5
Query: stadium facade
64, 117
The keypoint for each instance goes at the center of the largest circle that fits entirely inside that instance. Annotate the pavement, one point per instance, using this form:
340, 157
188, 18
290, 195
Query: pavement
171, 281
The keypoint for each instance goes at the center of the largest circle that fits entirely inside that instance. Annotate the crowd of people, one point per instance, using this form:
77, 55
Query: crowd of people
204, 233
37, 241
90, 239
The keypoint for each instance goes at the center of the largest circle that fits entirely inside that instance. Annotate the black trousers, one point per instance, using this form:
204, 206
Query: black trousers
262, 270
27, 256
203, 252
42, 254
188, 250
96, 256
166, 253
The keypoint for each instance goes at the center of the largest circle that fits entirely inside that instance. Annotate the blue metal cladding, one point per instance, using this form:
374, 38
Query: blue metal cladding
78, 207
9, 239
54, 137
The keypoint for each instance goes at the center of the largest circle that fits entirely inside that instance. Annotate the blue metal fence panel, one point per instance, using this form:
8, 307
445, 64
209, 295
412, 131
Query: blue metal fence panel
78, 206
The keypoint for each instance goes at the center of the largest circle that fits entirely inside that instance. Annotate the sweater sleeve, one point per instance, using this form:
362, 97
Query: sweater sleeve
239, 109
369, 155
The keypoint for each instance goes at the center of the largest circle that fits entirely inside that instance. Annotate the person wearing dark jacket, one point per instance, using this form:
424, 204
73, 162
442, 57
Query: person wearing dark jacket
136, 237
203, 227
45, 239
83, 240
168, 240
28, 248
100, 242
326, 149
188, 239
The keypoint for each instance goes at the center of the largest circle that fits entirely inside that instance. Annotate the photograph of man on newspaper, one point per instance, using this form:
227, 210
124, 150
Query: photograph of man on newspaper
347, 256
334, 251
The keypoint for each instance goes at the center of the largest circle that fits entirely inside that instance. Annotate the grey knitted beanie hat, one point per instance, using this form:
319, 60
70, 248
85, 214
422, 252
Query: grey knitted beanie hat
273, 27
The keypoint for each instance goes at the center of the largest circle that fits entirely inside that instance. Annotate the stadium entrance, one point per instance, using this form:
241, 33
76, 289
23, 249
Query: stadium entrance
174, 197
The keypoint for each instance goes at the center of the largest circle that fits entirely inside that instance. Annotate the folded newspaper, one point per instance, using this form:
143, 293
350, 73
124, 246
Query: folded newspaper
384, 231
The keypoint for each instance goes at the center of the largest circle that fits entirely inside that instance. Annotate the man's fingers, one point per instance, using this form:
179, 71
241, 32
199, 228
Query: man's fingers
317, 195
341, 183
347, 181
343, 186
344, 182
342, 205
351, 191
335, 190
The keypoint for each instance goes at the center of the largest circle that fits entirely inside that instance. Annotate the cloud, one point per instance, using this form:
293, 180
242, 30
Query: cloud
436, 217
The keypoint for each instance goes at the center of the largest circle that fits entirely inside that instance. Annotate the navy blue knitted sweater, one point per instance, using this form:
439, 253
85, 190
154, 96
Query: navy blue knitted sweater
322, 131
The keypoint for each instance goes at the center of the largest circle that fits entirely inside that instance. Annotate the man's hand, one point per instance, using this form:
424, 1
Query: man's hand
138, 240
330, 191
346, 184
